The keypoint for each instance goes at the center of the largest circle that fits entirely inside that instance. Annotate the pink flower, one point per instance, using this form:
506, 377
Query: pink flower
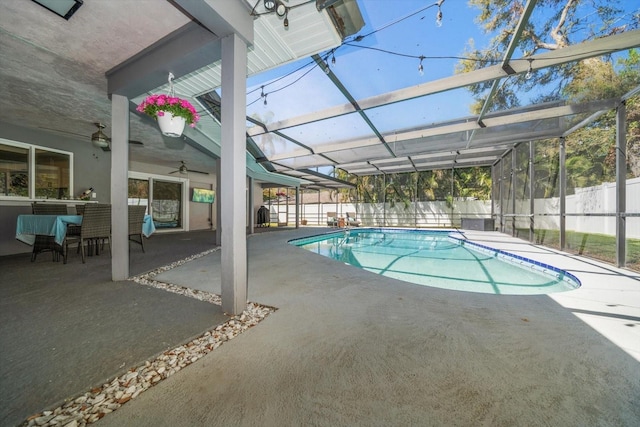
157, 105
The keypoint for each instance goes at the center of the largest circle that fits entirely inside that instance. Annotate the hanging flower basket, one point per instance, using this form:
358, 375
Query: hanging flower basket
169, 124
171, 112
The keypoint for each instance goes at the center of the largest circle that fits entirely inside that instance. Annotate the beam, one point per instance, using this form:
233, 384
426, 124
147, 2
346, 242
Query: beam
222, 17
185, 50
510, 117
589, 49
513, 43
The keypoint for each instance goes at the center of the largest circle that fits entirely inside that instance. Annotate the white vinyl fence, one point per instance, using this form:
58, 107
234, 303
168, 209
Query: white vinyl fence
587, 203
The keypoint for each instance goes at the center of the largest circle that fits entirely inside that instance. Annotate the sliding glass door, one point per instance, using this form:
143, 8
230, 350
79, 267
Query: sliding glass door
164, 198
166, 204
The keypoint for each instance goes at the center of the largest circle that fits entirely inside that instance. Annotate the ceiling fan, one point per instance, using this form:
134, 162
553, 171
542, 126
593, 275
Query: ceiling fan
100, 140
184, 170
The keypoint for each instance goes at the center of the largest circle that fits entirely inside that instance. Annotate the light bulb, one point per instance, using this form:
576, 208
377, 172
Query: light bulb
420, 67
529, 71
265, 99
326, 68
439, 18
286, 21
333, 59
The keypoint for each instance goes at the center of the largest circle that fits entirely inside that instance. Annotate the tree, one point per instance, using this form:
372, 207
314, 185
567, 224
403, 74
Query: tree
595, 144
554, 25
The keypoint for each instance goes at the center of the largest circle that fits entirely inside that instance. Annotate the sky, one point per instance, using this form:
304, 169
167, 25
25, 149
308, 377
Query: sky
396, 33
367, 72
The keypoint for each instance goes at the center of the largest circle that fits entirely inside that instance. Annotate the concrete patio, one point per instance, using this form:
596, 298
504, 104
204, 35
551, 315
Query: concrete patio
345, 347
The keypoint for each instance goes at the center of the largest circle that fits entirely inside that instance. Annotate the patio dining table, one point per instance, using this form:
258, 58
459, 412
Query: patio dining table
28, 226
37, 230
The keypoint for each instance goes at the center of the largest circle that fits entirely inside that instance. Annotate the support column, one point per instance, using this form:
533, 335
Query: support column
501, 190
621, 184
453, 177
494, 179
415, 200
218, 223
252, 214
384, 200
514, 179
563, 194
532, 189
321, 217
297, 207
233, 180
119, 187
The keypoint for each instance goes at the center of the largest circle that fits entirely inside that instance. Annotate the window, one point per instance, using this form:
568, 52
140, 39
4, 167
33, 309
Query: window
52, 175
138, 191
34, 172
14, 171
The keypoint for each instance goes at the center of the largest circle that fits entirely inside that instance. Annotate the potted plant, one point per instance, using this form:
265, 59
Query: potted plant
172, 113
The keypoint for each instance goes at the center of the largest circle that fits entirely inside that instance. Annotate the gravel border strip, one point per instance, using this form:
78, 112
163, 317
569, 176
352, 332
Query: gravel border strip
98, 402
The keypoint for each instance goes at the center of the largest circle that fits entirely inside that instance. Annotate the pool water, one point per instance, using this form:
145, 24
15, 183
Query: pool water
442, 259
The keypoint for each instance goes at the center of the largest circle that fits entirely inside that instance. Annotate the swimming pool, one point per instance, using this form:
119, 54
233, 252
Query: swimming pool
442, 259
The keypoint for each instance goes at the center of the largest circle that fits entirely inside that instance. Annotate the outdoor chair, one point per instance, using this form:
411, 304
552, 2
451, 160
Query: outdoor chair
45, 243
351, 220
95, 227
332, 219
136, 219
72, 229
48, 208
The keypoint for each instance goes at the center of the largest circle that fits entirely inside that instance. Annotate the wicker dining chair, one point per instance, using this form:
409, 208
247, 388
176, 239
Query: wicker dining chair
72, 229
136, 219
49, 208
95, 227
45, 243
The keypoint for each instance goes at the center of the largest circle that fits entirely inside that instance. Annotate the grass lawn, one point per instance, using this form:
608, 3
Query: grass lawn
598, 246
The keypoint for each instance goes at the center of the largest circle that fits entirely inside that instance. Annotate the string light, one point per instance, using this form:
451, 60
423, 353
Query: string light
439, 14
359, 38
530, 70
286, 19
